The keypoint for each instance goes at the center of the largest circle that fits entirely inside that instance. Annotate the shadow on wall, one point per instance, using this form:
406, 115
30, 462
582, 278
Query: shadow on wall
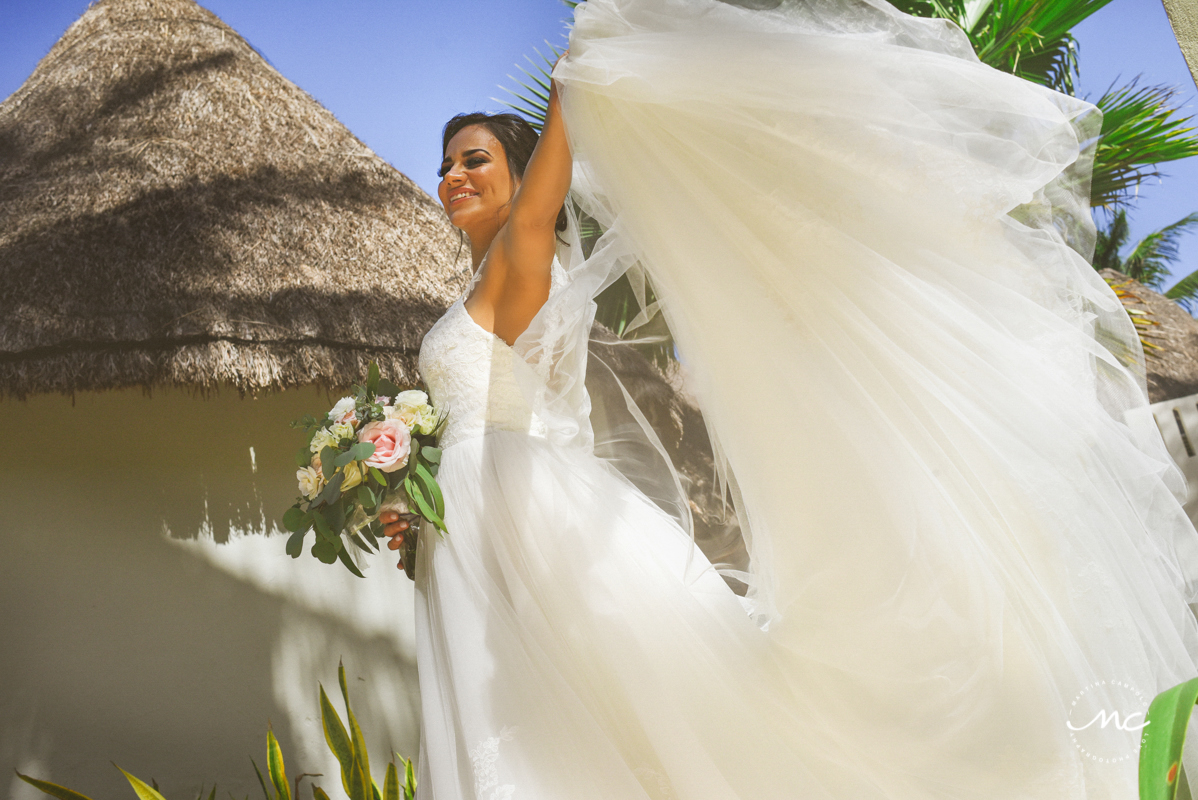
152, 619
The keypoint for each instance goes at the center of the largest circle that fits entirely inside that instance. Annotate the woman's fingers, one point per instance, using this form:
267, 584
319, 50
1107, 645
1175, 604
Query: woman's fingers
388, 517
400, 565
396, 542
395, 528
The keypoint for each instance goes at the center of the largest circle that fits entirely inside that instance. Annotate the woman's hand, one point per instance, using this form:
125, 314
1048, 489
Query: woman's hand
394, 527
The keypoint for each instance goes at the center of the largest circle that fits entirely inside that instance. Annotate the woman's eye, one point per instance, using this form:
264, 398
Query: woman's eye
475, 162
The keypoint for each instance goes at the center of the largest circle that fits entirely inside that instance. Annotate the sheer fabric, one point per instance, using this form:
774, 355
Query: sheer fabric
871, 250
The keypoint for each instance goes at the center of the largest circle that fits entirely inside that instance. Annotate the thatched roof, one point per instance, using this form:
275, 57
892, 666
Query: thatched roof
1171, 334
173, 211
1183, 16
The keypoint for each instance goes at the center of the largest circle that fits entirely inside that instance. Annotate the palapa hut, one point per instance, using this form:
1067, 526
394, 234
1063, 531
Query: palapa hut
180, 225
192, 253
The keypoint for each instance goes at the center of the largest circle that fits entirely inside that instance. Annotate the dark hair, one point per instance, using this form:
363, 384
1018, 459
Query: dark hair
517, 136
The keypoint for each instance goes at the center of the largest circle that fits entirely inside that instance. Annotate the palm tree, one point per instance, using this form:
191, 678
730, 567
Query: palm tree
1149, 261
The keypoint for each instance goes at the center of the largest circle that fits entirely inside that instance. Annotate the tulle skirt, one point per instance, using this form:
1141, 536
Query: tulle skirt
572, 643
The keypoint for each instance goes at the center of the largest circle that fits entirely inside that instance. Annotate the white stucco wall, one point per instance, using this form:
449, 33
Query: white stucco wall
150, 618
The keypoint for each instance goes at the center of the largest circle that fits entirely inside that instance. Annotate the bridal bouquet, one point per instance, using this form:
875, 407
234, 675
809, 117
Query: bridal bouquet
374, 451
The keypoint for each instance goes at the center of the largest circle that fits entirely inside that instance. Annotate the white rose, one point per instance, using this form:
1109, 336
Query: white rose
405, 414
310, 482
412, 398
323, 439
426, 420
342, 430
344, 410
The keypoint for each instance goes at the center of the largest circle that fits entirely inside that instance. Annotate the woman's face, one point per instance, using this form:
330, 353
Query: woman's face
476, 185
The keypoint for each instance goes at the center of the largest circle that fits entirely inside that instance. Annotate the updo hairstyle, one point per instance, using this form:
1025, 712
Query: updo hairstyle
513, 132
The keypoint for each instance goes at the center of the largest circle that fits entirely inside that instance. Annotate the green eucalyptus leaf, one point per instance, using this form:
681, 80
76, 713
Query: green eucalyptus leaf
324, 532
387, 388
366, 497
325, 552
295, 544
328, 457
431, 454
293, 518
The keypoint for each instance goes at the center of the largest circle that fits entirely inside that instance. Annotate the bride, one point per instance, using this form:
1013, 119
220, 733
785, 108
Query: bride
872, 252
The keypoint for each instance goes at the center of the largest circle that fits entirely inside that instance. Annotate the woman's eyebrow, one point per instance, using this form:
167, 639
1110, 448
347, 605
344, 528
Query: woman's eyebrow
447, 159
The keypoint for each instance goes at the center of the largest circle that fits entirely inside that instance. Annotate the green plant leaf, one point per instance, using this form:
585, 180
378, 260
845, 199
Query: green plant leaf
336, 737
387, 388
366, 497
372, 379
52, 789
331, 492
295, 544
357, 741
261, 780
318, 793
378, 476
1140, 129
323, 529
434, 489
324, 552
303, 457
328, 455
431, 454
143, 790
1162, 740
293, 518
343, 554
1185, 292
358, 543
211, 796
409, 781
274, 765
391, 783
359, 452
414, 449
416, 495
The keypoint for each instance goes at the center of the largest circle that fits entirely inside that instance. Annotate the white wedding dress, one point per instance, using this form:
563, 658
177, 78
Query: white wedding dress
866, 245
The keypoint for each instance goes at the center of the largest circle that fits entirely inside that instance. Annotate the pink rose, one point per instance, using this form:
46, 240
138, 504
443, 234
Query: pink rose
392, 442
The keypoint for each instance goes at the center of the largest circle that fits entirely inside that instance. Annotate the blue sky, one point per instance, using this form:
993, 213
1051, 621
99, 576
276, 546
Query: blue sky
394, 70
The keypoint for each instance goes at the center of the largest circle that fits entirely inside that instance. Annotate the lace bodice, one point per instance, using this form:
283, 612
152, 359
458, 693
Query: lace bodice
469, 373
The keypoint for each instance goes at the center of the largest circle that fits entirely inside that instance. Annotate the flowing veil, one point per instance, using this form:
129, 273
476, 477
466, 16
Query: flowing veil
872, 251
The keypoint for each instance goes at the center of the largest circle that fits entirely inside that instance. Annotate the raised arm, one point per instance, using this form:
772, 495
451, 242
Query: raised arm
515, 281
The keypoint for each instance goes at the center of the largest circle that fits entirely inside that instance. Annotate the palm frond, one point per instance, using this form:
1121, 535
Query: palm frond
1185, 292
1150, 261
1028, 38
1140, 129
532, 93
1110, 241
